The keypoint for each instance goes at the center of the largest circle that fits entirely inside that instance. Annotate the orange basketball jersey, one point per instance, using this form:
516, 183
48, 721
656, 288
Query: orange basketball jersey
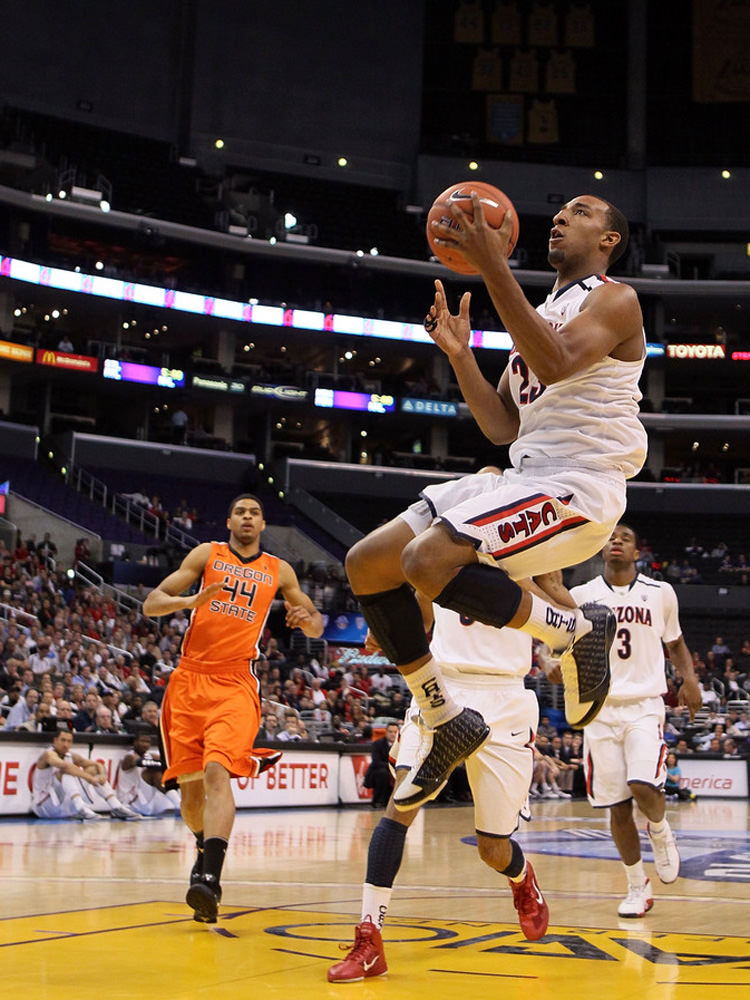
226, 629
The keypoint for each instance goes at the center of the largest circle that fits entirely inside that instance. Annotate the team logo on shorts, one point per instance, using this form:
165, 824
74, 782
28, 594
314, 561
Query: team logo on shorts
525, 523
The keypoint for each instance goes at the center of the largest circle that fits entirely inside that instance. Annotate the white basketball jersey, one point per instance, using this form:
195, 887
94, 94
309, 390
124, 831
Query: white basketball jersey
44, 778
589, 419
469, 646
647, 614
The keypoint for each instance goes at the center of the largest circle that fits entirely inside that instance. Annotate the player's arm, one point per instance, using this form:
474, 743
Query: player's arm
610, 321
168, 596
492, 408
301, 613
689, 693
129, 761
550, 587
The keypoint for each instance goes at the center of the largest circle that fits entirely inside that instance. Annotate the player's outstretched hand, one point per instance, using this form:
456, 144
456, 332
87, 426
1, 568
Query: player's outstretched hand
450, 333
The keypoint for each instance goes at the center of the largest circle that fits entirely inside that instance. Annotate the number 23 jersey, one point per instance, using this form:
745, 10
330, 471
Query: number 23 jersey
647, 614
587, 420
226, 630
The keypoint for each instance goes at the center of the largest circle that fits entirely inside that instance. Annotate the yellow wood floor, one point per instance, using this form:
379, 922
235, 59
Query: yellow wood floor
97, 910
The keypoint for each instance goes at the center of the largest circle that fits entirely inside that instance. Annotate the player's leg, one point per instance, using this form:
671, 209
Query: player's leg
232, 718
607, 788
366, 957
75, 798
526, 529
499, 776
116, 808
646, 754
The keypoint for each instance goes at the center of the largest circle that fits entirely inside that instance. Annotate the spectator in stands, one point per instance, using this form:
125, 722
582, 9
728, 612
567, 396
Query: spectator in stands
269, 727
23, 710
9, 699
378, 776
709, 697
721, 651
150, 717
672, 786
47, 551
683, 747
398, 704
84, 721
729, 748
290, 731
105, 722
82, 552
546, 728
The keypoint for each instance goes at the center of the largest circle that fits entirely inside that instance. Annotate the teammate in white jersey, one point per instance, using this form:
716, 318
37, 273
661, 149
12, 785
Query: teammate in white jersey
568, 403
66, 785
484, 668
139, 780
624, 749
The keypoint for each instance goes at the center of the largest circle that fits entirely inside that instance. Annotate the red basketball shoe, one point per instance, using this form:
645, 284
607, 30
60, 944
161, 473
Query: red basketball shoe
533, 914
365, 959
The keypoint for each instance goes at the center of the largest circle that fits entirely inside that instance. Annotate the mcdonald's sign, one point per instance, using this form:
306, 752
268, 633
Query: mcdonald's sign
71, 362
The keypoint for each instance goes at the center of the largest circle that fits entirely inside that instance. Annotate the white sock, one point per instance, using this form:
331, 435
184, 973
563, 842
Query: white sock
375, 902
428, 687
658, 829
636, 874
552, 625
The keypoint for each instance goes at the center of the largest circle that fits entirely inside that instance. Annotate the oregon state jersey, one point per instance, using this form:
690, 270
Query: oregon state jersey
228, 627
591, 417
647, 614
468, 646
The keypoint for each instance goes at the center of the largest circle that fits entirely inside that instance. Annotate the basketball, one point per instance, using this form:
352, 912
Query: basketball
495, 204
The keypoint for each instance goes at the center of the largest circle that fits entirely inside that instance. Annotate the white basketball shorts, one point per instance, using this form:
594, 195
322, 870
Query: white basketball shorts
528, 521
626, 745
500, 771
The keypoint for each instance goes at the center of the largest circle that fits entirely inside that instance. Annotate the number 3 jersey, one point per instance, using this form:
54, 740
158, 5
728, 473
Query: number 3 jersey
226, 630
647, 614
588, 420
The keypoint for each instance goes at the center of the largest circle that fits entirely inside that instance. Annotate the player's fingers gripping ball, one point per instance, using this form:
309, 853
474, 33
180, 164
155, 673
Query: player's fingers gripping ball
495, 204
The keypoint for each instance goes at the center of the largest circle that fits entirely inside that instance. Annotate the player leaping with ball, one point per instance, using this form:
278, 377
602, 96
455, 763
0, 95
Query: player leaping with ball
568, 402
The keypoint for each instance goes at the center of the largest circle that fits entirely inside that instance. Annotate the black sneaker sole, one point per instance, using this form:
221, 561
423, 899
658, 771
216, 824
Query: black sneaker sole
204, 902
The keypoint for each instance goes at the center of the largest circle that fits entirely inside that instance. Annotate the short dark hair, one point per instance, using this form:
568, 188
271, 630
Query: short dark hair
617, 222
624, 524
245, 496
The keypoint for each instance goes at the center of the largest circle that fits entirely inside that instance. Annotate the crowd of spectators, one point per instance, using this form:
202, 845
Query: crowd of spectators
696, 564
69, 652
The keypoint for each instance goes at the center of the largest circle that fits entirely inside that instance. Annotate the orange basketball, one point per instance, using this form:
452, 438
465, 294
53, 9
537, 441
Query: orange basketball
495, 204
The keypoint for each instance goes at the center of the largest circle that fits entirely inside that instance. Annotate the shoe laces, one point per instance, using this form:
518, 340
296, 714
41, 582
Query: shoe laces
362, 940
524, 896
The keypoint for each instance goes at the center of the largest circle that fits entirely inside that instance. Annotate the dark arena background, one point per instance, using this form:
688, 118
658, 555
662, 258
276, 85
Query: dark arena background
213, 279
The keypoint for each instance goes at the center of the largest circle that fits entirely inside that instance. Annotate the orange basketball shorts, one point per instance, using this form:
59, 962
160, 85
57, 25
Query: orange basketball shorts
210, 714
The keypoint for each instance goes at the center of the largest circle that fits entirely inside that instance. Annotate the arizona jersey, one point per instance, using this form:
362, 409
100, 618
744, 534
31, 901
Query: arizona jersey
647, 614
226, 629
590, 417
469, 647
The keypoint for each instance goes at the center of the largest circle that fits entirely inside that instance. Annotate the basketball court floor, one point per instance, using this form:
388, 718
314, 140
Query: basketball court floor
97, 910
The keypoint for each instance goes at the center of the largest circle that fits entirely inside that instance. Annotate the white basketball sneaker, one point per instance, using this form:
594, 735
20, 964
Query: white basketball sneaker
638, 901
666, 855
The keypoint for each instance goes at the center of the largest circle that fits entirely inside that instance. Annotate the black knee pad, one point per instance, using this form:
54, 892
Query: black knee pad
483, 594
394, 618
